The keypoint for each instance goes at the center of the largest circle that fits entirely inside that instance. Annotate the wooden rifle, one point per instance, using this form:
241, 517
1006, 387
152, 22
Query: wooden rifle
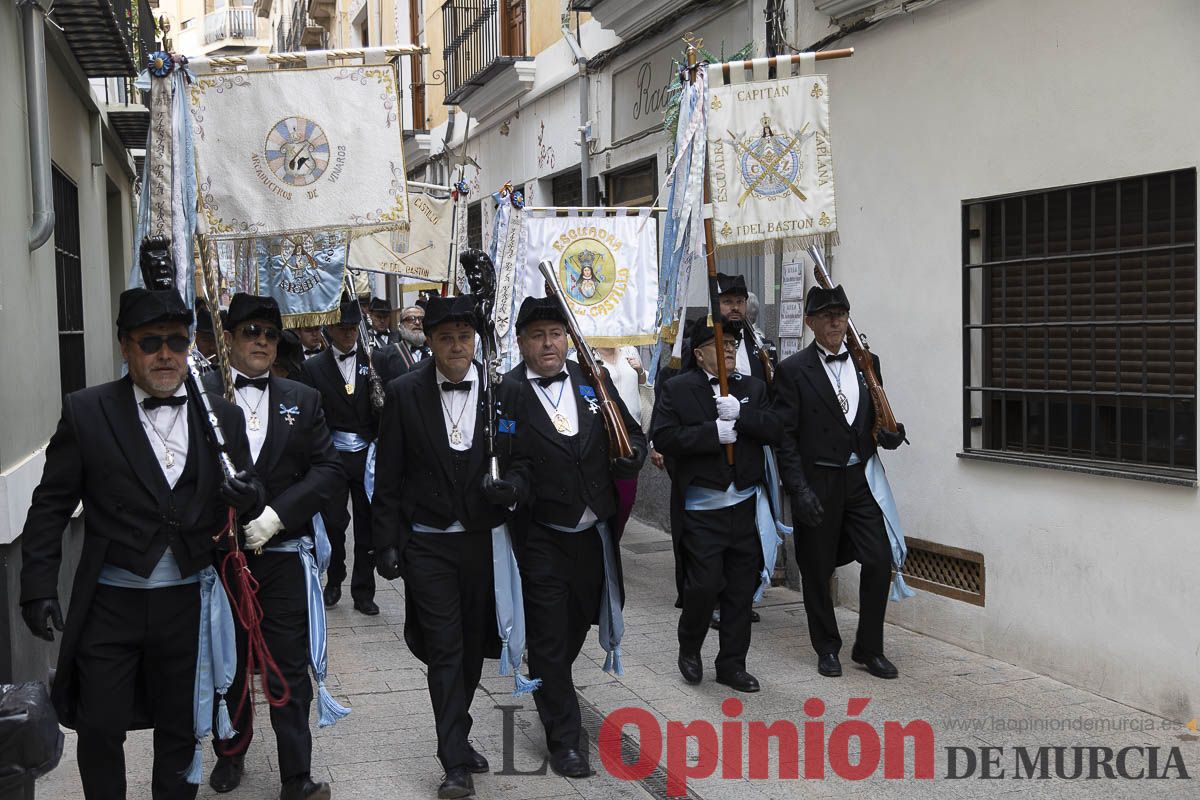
763, 355
860, 351
619, 445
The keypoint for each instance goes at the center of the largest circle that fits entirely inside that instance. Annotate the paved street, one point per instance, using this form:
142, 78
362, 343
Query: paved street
385, 748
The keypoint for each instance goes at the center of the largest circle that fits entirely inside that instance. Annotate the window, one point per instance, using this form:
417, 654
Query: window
512, 27
68, 284
475, 225
566, 190
1079, 312
636, 185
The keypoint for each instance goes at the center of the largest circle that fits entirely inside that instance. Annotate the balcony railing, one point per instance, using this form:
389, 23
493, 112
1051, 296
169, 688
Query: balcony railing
230, 23
480, 37
107, 37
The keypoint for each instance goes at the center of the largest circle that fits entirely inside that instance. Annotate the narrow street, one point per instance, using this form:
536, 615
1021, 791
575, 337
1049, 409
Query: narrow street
385, 748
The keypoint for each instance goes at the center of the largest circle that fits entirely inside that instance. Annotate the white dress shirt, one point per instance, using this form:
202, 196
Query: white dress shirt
453, 408
346, 366
166, 428
253, 402
847, 374
743, 357
567, 407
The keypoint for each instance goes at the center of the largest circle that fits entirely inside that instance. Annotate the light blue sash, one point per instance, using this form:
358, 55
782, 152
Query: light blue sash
347, 442
165, 575
510, 611
612, 619
882, 491
699, 498
216, 665
315, 558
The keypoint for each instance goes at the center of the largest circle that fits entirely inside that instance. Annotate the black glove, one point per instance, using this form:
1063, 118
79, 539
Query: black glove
806, 508
387, 563
499, 492
40, 614
240, 492
627, 468
890, 441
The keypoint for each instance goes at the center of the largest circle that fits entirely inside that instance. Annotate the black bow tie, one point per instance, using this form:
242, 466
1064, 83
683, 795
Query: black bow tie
241, 382
313, 352
344, 356
714, 381
546, 383
829, 359
461, 386
151, 403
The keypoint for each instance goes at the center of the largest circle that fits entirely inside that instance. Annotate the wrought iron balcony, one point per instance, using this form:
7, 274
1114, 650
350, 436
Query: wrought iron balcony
482, 39
108, 37
128, 110
230, 23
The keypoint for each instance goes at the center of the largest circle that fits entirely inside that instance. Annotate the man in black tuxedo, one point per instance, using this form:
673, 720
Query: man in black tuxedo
433, 526
713, 505
340, 374
405, 349
137, 453
294, 455
380, 329
734, 298
828, 418
556, 463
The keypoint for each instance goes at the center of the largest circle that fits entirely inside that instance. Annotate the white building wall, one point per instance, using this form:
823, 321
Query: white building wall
1089, 579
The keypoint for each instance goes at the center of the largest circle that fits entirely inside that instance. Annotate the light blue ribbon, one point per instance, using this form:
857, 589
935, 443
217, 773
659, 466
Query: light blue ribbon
882, 491
216, 665
612, 619
347, 442
510, 611
329, 711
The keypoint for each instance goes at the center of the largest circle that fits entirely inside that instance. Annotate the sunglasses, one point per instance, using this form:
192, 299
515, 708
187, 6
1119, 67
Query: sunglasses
252, 331
411, 319
150, 345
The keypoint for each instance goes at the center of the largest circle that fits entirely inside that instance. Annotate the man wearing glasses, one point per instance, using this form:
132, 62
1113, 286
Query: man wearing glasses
134, 451
716, 507
294, 455
397, 358
828, 419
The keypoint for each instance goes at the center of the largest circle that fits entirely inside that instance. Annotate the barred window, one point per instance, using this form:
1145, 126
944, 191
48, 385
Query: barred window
1079, 326
475, 225
68, 284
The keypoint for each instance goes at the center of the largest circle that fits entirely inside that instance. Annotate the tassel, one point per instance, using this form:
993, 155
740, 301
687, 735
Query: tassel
225, 729
523, 685
329, 710
505, 666
612, 661
195, 772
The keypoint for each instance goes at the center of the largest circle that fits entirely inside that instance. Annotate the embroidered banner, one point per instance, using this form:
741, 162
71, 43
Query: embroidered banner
291, 151
423, 252
305, 274
608, 269
770, 160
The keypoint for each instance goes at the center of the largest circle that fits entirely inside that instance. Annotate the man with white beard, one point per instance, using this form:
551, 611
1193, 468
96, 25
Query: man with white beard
398, 358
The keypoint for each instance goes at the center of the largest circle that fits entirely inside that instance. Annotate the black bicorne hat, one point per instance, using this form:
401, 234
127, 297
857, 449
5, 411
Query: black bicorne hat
819, 299
351, 313
703, 333
539, 308
138, 307
731, 284
460, 308
245, 307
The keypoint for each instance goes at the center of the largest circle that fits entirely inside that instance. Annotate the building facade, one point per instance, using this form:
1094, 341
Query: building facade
59, 290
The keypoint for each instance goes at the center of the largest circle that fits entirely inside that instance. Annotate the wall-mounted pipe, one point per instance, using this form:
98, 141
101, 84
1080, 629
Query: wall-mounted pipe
38, 109
581, 64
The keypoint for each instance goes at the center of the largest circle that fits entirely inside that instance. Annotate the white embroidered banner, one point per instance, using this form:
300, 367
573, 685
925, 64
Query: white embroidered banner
608, 269
299, 150
423, 252
770, 160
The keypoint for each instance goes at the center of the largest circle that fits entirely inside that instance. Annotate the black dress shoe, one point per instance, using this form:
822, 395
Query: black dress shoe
879, 666
715, 622
690, 667
570, 763
754, 617
227, 773
332, 595
457, 783
741, 681
367, 607
829, 666
478, 764
304, 788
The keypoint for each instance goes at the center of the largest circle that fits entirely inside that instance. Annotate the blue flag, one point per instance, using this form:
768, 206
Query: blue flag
305, 274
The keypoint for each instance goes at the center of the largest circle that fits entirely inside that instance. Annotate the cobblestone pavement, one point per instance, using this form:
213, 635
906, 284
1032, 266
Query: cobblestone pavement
386, 747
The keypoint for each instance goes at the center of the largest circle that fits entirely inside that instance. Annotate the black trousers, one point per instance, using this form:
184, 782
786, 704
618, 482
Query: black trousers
284, 600
449, 579
852, 514
562, 577
132, 637
337, 520
722, 558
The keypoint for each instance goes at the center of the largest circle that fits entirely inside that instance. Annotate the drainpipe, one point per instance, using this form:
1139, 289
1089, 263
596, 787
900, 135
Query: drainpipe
581, 63
36, 103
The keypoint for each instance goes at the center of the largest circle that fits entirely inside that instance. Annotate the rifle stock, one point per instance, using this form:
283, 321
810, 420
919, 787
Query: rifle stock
619, 444
885, 418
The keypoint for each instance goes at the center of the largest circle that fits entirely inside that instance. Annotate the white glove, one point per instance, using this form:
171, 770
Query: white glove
260, 529
725, 431
728, 407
